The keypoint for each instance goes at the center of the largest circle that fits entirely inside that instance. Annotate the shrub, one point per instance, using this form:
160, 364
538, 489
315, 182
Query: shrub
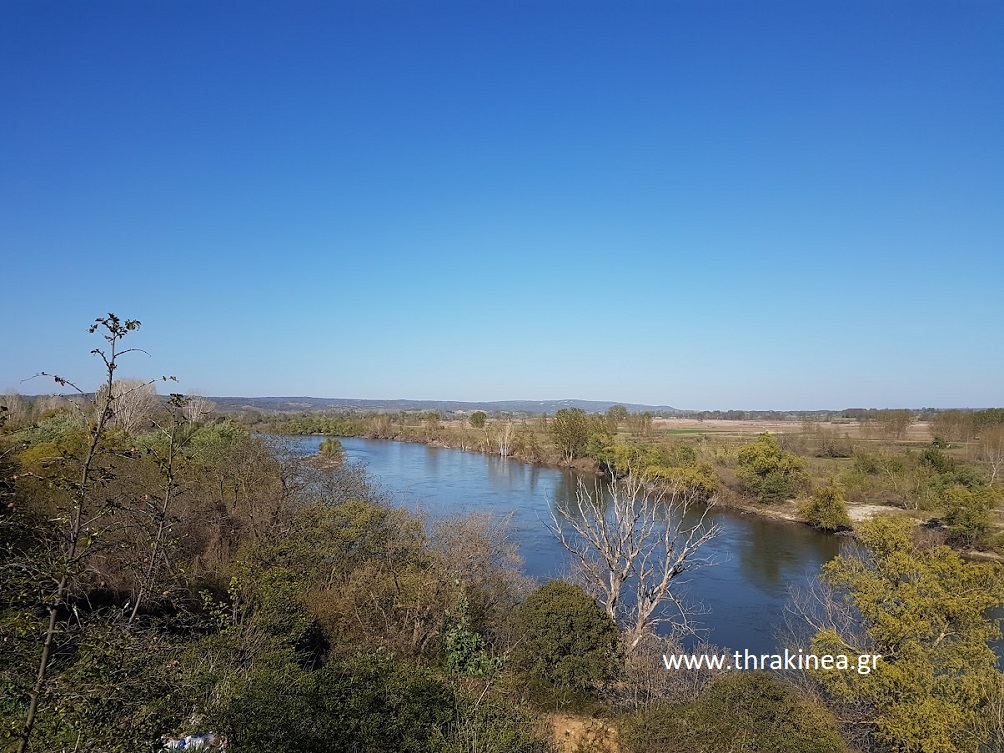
568, 640
938, 461
699, 480
368, 702
826, 509
769, 473
760, 710
331, 448
967, 513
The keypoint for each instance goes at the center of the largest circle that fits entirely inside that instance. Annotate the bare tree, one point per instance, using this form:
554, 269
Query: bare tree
645, 679
990, 450
502, 433
133, 403
632, 549
156, 511
19, 411
197, 407
47, 403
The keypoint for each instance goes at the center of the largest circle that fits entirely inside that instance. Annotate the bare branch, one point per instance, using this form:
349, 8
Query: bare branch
639, 534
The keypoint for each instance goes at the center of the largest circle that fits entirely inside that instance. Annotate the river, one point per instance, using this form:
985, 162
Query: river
744, 596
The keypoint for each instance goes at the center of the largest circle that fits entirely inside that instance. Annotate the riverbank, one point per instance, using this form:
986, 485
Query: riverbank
784, 512
904, 476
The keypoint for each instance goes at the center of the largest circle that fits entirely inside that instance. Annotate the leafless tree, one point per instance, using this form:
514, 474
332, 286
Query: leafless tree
47, 403
632, 549
133, 403
197, 407
989, 449
502, 433
155, 511
646, 680
19, 411
477, 553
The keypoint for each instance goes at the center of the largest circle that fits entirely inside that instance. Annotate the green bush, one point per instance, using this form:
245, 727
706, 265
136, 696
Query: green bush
967, 513
370, 703
331, 448
769, 473
741, 712
826, 509
567, 639
571, 431
938, 461
699, 480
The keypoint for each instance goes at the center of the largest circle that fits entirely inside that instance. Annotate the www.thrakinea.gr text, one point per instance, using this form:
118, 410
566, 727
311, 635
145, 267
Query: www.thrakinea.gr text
789, 660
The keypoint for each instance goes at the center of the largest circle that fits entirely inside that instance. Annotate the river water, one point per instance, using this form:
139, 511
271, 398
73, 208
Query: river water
744, 595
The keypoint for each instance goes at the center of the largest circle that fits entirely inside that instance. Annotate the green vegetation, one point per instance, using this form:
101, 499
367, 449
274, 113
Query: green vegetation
768, 473
568, 640
878, 466
924, 610
881, 464
339, 425
742, 712
571, 431
826, 509
331, 448
185, 566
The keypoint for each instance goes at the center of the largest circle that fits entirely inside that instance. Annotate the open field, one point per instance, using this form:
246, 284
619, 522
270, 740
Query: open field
916, 432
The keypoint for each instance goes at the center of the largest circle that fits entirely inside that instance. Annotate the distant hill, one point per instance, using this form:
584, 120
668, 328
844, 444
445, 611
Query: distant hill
309, 404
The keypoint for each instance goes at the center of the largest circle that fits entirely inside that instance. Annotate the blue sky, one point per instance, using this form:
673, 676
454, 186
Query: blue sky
702, 204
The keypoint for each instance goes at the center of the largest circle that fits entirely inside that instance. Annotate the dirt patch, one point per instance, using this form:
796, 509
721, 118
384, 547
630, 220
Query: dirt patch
789, 510
861, 513
583, 734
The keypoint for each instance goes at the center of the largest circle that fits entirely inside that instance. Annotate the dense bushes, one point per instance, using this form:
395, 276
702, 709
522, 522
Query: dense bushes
281, 602
826, 509
331, 448
740, 712
567, 640
967, 513
925, 611
769, 473
290, 609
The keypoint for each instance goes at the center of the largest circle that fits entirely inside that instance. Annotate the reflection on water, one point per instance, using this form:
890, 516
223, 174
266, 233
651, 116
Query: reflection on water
745, 592
772, 550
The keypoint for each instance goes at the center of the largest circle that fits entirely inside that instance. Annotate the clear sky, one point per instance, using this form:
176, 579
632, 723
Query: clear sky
702, 204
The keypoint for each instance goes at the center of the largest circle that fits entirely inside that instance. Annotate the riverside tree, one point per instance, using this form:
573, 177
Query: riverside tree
632, 546
925, 610
570, 431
